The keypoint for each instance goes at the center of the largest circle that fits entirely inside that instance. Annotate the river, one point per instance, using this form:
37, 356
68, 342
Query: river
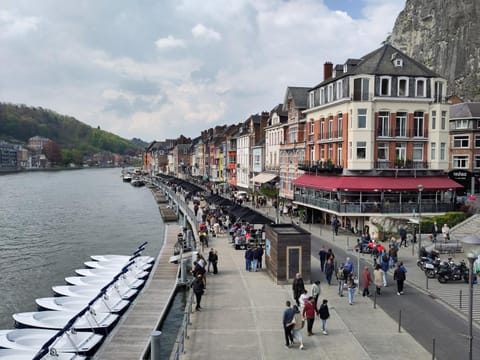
52, 221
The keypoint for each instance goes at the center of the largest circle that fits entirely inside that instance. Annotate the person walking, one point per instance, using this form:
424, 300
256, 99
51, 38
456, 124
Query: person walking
210, 259
403, 237
324, 314
329, 269
351, 286
378, 278
215, 261
309, 312
400, 275
341, 279
288, 315
198, 289
298, 324
298, 288
323, 257
435, 231
384, 266
254, 259
316, 291
366, 281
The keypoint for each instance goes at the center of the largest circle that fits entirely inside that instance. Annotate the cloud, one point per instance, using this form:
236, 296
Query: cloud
156, 70
169, 42
202, 32
13, 25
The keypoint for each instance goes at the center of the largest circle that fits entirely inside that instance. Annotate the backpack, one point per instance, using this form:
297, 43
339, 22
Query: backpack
340, 274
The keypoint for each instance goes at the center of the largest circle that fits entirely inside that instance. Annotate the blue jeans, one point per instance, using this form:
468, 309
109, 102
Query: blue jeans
254, 265
351, 294
324, 324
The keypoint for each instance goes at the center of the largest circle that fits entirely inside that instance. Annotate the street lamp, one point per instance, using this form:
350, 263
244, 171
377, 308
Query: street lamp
420, 189
472, 242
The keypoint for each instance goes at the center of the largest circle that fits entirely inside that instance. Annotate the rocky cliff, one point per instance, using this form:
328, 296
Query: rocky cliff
443, 35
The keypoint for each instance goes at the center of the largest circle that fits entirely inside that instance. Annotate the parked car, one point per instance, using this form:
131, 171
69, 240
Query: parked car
241, 195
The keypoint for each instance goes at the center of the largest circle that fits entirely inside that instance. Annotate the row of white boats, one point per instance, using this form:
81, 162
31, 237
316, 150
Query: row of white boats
73, 323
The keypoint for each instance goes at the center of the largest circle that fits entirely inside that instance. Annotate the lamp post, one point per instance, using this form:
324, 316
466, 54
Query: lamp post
420, 189
473, 243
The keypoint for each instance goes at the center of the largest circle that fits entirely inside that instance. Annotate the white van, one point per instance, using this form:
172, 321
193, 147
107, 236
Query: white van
241, 195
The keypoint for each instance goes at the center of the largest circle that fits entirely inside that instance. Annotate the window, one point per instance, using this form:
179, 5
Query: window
350, 145
383, 123
330, 151
385, 86
361, 150
460, 141
460, 161
340, 125
339, 154
339, 89
322, 128
438, 91
461, 124
312, 99
420, 88
362, 118
292, 134
312, 154
330, 127
418, 152
434, 120
398, 62
477, 141
322, 96
330, 93
382, 153
418, 124
477, 161
443, 120
433, 151
402, 87
322, 153
401, 151
443, 148
401, 124
360, 89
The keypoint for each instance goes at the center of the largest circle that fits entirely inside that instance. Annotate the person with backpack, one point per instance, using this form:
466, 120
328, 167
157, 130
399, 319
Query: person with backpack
399, 276
324, 314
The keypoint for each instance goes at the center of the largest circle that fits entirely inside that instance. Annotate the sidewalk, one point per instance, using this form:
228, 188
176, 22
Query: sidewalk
242, 319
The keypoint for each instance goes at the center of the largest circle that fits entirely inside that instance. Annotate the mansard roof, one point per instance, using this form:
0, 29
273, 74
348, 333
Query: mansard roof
465, 110
299, 96
382, 62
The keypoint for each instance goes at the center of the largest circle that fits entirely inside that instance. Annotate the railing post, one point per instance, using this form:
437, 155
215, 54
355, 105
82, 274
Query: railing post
155, 345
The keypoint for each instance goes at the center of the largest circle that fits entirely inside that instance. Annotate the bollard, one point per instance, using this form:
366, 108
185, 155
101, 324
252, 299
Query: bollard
155, 345
348, 242
400, 321
426, 280
460, 299
433, 349
375, 298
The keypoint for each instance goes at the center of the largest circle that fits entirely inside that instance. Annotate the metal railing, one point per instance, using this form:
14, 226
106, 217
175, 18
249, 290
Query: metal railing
179, 346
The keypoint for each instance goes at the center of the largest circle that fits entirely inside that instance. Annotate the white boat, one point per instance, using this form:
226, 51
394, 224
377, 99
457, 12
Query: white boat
127, 281
126, 258
139, 274
113, 304
34, 339
15, 354
117, 265
51, 319
90, 291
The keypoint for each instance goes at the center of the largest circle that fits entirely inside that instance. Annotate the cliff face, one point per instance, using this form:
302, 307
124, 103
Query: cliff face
443, 35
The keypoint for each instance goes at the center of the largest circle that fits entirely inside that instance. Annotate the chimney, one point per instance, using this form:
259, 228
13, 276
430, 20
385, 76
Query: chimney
327, 70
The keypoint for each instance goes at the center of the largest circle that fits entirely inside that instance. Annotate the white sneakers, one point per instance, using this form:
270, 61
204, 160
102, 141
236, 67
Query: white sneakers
324, 332
301, 347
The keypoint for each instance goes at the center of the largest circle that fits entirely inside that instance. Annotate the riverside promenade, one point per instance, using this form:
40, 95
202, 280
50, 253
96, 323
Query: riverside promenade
242, 319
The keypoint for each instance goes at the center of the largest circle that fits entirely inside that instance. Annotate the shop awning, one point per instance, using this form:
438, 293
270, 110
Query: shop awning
374, 183
263, 178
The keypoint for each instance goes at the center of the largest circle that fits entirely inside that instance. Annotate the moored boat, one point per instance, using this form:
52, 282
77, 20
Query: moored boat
33, 339
15, 354
113, 304
90, 291
139, 274
125, 258
124, 281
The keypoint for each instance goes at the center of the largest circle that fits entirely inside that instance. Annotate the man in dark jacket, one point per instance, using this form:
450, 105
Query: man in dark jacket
288, 315
323, 257
399, 276
198, 289
298, 288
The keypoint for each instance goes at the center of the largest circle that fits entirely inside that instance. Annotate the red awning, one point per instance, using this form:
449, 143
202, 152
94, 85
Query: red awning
372, 183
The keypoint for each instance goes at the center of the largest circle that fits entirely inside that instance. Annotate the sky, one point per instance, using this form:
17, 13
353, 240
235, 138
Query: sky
156, 69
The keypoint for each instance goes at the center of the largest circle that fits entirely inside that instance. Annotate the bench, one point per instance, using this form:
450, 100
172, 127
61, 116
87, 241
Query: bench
448, 248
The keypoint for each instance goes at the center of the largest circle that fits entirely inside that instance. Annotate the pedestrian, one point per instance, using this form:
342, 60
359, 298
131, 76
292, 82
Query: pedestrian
210, 259
316, 291
348, 267
330, 255
259, 256
309, 312
298, 324
329, 269
304, 297
434, 232
288, 315
403, 237
248, 259
400, 275
254, 262
378, 278
323, 258
366, 281
384, 266
215, 261
341, 279
351, 285
445, 232
298, 288
324, 314
198, 289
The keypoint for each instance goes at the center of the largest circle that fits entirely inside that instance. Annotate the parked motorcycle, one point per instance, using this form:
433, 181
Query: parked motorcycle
431, 268
449, 271
427, 257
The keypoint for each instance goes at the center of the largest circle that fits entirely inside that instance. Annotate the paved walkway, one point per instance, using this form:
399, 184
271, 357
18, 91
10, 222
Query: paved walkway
242, 312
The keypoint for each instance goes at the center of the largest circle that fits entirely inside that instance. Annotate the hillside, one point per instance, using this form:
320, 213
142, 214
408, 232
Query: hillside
18, 123
443, 35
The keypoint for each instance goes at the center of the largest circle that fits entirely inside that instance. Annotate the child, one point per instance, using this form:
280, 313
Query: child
324, 315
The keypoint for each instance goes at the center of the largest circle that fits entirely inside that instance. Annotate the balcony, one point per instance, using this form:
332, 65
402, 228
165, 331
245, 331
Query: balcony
402, 133
319, 167
401, 164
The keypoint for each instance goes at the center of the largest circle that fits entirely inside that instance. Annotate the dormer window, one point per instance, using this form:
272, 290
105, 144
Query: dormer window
420, 87
311, 94
345, 68
398, 62
385, 85
402, 90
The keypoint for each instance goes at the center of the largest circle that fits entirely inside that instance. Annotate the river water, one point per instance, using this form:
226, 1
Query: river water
51, 222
